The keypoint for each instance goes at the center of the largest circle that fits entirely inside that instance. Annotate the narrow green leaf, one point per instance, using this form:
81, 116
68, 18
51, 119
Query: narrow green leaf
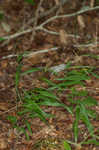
12, 119
68, 65
28, 126
30, 1
35, 107
47, 94
91, 113
18, 70
75, 124
78, 93
92, 55
31, 71
67, 146
17, 76
92, 141
89, 101
1, 15
69, 83
95, 75
21, 129
25, 111
49, 82
19, 59
77, 77
50, 103
86, 119
69, 109
1, 39
56, 104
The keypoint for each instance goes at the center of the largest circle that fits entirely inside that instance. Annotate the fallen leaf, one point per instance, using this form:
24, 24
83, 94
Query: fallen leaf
4, 64
3, 106
63, 37
10, 47
3, 144
34, 59
57, 2
80, 20
1, 73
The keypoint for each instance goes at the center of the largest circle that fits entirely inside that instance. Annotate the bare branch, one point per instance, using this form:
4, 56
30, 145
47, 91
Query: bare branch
36, 19
47, 50
47, 21
62, 2
69, 15
57, 33
31, 53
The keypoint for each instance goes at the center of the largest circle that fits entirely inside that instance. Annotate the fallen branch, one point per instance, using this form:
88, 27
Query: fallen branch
69, 15
40, 27
57, 33
62, 2
30, 54
36, 19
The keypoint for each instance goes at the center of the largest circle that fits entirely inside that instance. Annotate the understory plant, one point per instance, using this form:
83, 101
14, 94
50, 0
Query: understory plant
80, 103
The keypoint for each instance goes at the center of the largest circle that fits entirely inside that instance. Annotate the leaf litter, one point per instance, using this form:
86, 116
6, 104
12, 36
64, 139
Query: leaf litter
44, 137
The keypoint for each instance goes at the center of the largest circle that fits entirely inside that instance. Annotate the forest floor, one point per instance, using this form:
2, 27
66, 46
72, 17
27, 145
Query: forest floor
27, 28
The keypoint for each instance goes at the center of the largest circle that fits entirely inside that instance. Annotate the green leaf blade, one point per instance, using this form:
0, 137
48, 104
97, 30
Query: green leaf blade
67, 146
75, 124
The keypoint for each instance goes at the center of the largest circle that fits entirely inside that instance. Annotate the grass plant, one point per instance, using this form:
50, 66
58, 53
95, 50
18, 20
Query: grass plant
80, 103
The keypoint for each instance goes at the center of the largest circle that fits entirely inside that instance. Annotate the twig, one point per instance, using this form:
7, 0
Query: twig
9, 110
41, 51
31, 53
47, 50
47, 21
36, 19
57, 33
8, 56
47, 12
69, 15
87, 45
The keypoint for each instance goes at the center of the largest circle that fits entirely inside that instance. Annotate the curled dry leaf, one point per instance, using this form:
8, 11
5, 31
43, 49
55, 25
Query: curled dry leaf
80, 20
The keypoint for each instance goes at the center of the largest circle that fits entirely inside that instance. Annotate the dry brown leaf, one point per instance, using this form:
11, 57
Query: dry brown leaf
10, 47
34, 59
11, 135
78, 147
2, 85
4, 64
80, 20
63, 37
57, 2
3, 106
78, 59
3, 144
1, 74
